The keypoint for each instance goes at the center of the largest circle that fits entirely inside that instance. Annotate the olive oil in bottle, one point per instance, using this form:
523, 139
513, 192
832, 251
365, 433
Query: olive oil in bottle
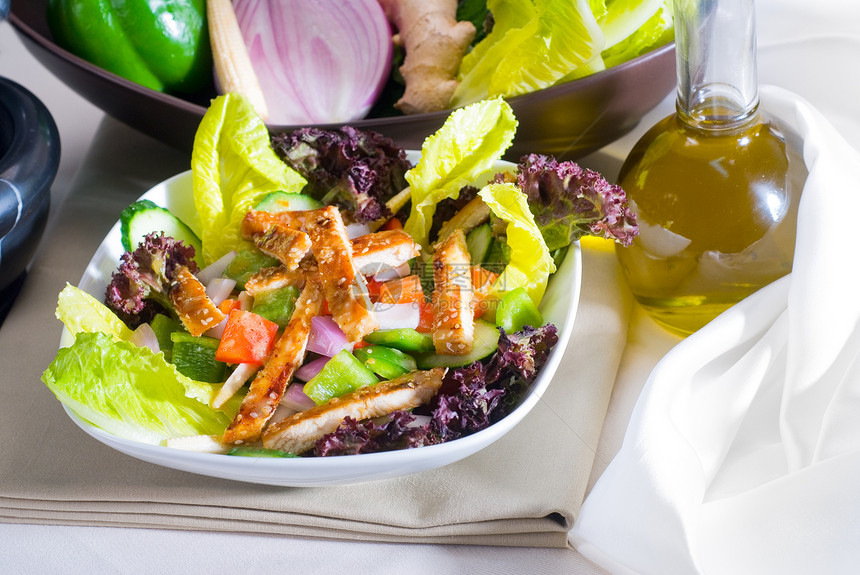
715, 186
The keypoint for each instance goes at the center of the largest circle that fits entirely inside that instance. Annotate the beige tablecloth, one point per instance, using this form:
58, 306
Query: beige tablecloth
524, 490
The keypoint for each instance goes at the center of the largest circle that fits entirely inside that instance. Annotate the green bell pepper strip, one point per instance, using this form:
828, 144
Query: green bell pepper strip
405, 339
385, 362
163, 327
194, 357
160, 44
247, 263
515, 310
340, 375
276, 305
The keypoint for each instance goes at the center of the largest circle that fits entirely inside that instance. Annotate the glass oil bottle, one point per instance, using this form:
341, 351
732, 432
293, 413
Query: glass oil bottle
715, 185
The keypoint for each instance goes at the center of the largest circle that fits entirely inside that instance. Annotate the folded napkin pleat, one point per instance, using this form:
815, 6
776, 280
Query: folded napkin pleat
525, 489
742, 452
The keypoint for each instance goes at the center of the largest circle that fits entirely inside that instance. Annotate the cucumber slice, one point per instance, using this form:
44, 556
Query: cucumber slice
499, 253
250, 451
287, 202
144, 217
486, 342
478, 242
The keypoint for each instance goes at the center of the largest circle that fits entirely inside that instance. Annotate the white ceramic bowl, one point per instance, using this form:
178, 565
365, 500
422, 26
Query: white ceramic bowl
558, 307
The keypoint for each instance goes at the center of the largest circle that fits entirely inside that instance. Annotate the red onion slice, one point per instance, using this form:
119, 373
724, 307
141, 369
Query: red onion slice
388, 273
311, 368
143, 336
219, 289
317, 62
216, 268
326, 337
295, 398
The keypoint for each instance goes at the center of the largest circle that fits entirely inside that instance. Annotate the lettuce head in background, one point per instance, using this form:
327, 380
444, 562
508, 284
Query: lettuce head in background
535, 44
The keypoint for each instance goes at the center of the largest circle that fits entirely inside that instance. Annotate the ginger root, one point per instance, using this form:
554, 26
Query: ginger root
434, 42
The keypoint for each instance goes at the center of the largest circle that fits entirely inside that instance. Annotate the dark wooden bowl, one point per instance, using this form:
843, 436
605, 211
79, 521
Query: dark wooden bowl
568, 121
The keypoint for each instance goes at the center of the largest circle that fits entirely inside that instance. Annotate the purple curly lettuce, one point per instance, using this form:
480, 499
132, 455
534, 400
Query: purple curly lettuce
138, 289
569, 201
521, 354
358, 170
368, 436
469, 406
471, 399
474, 397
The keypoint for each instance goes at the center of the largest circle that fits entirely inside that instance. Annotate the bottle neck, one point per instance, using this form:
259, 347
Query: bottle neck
715, 47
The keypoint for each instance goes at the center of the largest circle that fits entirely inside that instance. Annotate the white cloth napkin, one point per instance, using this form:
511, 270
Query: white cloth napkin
743, 451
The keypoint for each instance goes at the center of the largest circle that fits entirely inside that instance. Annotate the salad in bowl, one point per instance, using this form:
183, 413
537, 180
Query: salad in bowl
299, 297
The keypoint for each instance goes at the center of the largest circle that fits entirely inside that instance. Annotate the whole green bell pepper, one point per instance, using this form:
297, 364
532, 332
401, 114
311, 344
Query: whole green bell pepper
160, 44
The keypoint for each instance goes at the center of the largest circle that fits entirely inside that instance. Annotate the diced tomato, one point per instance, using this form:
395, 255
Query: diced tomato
324, 310
425, 321
373, 289
229, 305
482, 281
360, 344
402, 290
248, 338
392, 224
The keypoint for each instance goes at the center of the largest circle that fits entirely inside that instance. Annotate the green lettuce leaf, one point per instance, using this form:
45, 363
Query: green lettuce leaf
633, 28
530, 262
82, 313
128, 391
233, 166
466, 146
533, 45
624, 17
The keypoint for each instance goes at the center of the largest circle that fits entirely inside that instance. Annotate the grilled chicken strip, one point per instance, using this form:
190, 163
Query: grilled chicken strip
277, 277
288, 245
453, 319
270, 382
345, 288
373, 253
299, 432
257, 222
193, 306
470, 216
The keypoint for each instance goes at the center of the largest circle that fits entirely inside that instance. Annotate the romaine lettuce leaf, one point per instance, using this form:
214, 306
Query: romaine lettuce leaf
531, 264
128, 391
233, 167
631, 33
81, 312
624, 17
466, 146
533, 45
